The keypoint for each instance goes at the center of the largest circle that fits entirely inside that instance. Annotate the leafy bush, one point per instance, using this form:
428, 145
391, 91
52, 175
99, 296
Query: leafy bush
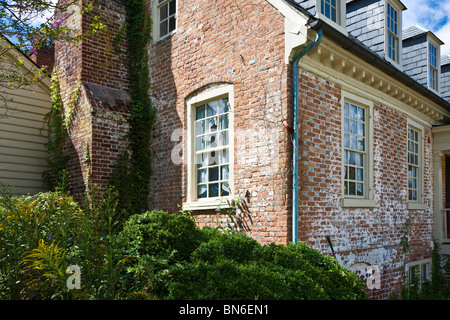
234, 266
25, 223
161, 235
153, 255
41, 235
174, 259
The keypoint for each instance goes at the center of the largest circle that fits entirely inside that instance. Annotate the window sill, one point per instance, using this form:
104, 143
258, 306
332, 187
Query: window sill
358, 203
171, 33
416, 206
210, 204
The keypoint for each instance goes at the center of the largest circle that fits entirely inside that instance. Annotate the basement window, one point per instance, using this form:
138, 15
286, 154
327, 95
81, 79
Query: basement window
419, 272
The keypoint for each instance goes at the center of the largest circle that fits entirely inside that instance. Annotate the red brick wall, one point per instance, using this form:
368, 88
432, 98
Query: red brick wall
44, 57
241, 43
359, 235
93, 78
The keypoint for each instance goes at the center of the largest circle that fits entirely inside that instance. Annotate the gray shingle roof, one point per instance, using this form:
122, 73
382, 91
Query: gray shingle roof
445, 59
413, 31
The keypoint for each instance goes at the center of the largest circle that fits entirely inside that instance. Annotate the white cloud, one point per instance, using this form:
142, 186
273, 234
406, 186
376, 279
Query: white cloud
433, 15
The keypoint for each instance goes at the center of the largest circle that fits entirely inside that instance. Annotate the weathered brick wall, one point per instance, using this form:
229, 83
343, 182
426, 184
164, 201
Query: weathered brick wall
93, 79
372, 235
44, 57
241, 43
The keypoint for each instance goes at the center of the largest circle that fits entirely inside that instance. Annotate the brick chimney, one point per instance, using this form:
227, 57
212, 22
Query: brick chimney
93, 80
44, 57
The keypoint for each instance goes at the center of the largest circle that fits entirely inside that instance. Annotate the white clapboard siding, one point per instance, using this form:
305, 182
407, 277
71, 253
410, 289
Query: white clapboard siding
23, 133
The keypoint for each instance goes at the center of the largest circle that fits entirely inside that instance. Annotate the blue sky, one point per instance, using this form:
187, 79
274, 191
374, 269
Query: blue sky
433, 15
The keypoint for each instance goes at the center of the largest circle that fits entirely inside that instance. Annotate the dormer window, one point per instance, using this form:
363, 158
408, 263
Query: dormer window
433, 64
393, 43
333, 12
328, 9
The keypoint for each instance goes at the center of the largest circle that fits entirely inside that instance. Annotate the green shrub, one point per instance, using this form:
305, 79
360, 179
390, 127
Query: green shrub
41, 235
26, 221
161, 235
233, 266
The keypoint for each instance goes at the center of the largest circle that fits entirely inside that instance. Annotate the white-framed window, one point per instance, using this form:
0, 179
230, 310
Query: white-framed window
393, 35
329, 9
210, 151
165, 18
334, 12
415, 165
433, 66
357, 151
418, 272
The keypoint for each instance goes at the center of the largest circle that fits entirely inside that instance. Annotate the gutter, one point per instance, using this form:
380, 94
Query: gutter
295, 87
372, 58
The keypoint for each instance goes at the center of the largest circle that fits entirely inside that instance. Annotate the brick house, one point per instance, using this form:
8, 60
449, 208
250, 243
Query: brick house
313, 112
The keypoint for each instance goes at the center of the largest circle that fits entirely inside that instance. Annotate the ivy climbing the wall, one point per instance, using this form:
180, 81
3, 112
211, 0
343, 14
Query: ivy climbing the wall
132, 175
57, 158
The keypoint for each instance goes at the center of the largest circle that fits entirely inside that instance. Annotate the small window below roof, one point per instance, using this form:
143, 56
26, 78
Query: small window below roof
433, 66
333, 12
392, 29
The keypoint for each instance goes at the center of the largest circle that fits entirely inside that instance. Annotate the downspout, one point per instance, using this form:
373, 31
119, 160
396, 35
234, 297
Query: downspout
295, 88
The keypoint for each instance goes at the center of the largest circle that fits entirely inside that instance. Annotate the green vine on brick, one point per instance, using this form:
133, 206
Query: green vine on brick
57, 158
132, 175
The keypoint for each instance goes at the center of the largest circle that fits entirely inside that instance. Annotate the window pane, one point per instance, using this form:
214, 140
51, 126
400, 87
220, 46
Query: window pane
211, 141
352, 188
163, 28
199, 143
359, 160
360, 174
202, 176
163, 12
213, 158
202, 161
361, 129
202, 191
224, 156
199, 112
214, 190
199, 128
224, 138
213, 174
223, 122
224, 173
225, 189
212, 124
223, 105
172, 7
351, 173
351, 158
212, 108
359, 189
172, 24
353, 142
361, 144
353, 127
